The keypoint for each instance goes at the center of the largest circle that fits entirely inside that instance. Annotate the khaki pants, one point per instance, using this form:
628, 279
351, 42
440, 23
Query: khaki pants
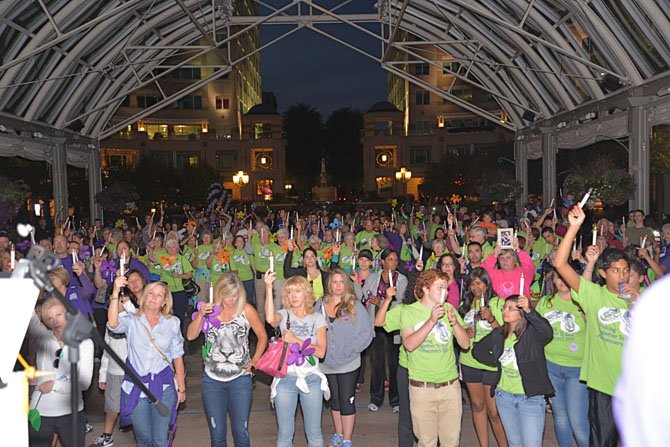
259, 285
436, 413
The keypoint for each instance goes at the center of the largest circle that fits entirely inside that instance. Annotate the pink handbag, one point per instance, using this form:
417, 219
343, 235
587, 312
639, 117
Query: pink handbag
273, 360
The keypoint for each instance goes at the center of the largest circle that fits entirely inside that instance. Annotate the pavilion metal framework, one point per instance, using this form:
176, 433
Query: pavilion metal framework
566, 73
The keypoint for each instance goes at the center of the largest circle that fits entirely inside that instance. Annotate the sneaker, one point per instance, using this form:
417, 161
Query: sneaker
335, 440
372, 407
89, 428
346, 444
396, 409
103, 441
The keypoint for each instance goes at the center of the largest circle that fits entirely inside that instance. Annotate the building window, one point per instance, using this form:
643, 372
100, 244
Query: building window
422, 98
383, 127
187, 131
463, 93
161, 158
126, 101
385, 156
452, 66
186, 74
226, 160
384, 183
157, 131
264, 189
419, 155
261, 160
189, 103
144, 101
262, 130
188, 159
422, 69
421, 128
222, 103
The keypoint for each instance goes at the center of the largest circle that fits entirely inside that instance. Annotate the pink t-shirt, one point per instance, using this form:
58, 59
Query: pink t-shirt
506, 284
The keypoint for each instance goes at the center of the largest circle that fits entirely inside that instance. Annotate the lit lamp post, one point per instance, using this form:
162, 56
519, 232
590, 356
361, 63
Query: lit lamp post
403, 176
241, 179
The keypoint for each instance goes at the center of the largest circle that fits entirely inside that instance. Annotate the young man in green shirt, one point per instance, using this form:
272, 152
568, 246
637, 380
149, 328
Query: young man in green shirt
607, 319
428, 328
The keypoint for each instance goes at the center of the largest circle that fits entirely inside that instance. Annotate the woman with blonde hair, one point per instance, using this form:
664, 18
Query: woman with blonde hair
155, 352
349, 333
305, 330
52, 394
226, 379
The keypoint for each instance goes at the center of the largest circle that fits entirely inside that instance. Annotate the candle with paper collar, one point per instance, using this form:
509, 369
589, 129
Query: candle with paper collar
644, 242
211, 293
481, 302
353, 262
123, 264
12, 259
443, 295
337, 235
585, 198
595, 235
272, 263
390, 278
74, 256
521, 284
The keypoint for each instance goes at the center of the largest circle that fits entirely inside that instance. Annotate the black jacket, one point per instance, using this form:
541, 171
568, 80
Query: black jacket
529, 351
302, 271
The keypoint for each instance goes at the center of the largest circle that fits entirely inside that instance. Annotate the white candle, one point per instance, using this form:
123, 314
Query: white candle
443, 295
595, 236
521, 284
463, 250
481, 301
291, 234
337, 235
74, 256
421, 253
12, 259
102, 250
211, 293
551, 205
272, 263
390, 278
123, 264
644, 241
353, 262
586, 198
623, 219
574, 244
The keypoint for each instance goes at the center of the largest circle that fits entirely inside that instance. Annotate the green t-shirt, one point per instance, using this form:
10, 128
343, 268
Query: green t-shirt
280, 257
346, 255
510, 378
155, 267
220, 263
241, 262
262, 254
482, 329
567, 346
406, 252
171, 266
434, 360
203, 253
487, 249
393, 324
317, 286
188, 253
608, 320
363, 238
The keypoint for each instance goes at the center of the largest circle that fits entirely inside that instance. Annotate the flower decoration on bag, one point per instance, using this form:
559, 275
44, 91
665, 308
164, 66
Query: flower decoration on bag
209, 321
168, 261
108, 269
300, 353
336, 223
223, 257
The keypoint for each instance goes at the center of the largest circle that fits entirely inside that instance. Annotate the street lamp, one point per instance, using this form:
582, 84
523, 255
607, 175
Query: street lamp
403, 175
241, 178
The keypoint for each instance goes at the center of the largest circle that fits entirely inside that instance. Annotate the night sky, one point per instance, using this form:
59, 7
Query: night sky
310, 68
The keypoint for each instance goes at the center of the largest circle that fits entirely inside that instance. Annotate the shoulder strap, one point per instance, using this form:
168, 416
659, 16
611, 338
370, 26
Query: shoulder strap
153, 342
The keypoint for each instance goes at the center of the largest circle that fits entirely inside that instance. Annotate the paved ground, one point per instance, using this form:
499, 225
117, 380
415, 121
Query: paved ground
378, 429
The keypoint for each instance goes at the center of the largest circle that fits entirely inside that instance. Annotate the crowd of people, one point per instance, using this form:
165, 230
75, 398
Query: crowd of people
518, 313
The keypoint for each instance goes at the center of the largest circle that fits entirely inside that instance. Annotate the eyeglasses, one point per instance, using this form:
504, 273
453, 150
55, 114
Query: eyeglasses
56, 363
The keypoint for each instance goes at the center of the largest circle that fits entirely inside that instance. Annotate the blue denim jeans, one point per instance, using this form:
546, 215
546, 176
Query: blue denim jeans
224, 398
523, 418
570, 405
151, 429
311, 403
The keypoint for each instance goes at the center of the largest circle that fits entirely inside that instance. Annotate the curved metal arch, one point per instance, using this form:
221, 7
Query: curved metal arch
472, 31
126, 73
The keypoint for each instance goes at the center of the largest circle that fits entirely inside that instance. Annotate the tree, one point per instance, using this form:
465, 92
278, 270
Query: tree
660, 150
155, 182
194, 183
450, 176
344, 149
303, 127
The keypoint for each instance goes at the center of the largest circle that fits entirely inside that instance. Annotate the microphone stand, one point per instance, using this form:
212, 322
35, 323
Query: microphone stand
37, 266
